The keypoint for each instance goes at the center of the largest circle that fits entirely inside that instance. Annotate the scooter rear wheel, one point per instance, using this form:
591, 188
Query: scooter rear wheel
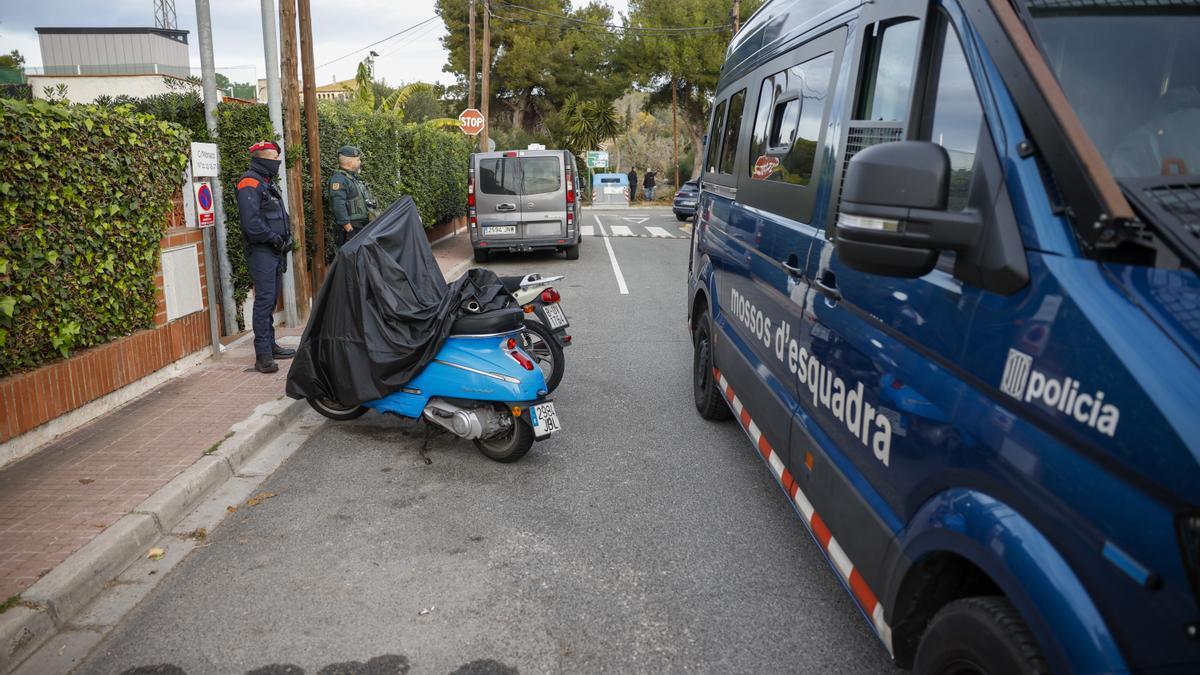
336, 411
544, 348
509, 447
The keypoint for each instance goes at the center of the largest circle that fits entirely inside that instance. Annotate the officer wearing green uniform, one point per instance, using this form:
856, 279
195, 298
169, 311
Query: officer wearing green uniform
350, 199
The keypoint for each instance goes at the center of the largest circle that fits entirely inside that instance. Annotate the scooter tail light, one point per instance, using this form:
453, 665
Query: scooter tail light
523, 360
510, 344
550, 295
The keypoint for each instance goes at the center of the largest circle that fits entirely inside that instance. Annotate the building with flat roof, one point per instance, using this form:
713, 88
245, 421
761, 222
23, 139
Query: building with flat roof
110, 60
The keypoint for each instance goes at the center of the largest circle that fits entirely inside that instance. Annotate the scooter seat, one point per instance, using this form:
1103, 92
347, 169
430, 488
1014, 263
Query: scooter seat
489, 323
512, 284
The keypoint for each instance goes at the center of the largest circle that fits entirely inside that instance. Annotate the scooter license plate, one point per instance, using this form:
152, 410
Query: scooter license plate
555, 316
545, 420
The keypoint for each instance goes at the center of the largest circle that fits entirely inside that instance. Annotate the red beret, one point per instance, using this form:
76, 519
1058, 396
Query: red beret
265, 145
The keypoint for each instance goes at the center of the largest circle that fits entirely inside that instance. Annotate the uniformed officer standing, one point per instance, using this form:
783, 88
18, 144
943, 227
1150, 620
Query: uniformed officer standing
350, 199
266, 239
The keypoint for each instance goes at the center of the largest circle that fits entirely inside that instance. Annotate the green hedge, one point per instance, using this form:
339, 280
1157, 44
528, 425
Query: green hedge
85, 195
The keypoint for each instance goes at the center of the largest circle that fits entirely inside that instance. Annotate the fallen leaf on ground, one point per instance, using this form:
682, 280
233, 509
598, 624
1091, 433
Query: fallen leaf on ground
199, 534
156, 553
260, 498
86, 481
231, 509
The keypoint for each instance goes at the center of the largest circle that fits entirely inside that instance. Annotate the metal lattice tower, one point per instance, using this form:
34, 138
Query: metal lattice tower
164, 14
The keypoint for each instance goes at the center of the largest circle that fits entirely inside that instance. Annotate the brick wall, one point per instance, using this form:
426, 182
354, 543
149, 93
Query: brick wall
31, 399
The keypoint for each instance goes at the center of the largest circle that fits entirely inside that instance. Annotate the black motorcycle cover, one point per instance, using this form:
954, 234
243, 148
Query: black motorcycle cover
383, 312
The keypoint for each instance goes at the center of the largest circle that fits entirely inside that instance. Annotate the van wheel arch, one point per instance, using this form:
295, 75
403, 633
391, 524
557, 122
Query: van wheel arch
929, 585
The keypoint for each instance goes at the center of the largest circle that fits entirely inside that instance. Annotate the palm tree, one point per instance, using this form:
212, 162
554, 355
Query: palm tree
588, 124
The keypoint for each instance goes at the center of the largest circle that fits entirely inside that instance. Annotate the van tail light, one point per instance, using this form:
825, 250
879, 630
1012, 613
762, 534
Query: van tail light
511, 153
550, 296
570, 190
1188, 526
471, 188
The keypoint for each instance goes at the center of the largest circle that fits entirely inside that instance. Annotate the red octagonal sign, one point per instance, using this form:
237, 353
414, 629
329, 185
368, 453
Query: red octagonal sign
472, 121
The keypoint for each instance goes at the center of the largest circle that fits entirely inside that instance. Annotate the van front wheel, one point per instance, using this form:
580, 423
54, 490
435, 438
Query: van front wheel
978, 635
710, 402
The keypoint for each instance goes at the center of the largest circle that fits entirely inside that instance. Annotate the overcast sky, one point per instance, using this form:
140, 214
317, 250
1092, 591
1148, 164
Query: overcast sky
339, 27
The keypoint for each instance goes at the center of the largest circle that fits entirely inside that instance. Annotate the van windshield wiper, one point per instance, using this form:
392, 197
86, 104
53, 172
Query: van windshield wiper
1170, 207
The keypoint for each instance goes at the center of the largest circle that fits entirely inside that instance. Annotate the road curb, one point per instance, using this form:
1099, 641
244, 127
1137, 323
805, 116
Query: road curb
59, 596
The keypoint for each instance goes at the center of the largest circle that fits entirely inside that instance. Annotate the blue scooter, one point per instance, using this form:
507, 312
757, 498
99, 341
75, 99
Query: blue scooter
481, 386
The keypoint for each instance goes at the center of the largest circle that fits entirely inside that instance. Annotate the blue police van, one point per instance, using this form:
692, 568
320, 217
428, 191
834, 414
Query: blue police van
944, 275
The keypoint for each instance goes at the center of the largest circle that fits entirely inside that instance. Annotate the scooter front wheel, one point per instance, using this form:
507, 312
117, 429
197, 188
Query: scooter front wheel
336, 411
510, 446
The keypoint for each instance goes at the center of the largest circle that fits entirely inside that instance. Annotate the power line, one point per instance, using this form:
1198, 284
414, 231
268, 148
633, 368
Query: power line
607, 26
397, 34
407, 41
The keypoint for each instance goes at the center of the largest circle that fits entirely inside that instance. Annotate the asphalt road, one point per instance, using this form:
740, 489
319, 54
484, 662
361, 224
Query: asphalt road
640, 539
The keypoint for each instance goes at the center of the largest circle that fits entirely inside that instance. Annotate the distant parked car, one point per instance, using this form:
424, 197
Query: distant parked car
685, 200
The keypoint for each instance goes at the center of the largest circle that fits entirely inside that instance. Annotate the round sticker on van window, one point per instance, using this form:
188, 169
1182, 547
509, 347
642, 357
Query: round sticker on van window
764, 166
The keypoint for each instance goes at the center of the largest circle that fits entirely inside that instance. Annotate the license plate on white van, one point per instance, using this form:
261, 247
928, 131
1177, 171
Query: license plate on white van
500, 229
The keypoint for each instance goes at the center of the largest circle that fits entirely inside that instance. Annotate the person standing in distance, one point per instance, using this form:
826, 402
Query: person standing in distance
350, 199
633, 184
650, 182
266, 239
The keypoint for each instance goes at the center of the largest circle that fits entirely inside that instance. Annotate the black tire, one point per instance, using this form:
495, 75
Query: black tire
482, 255
681, 218
541, 344
509, 447
336, 411
572, 252
978, 635
710, 402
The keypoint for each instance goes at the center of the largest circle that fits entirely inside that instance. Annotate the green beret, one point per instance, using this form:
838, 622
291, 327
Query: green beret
349, 151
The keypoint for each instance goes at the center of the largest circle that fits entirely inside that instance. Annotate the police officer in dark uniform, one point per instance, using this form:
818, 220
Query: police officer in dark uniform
266, 239
350, 199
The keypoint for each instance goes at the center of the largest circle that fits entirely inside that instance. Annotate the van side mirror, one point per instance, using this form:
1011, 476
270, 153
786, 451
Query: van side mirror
893, 219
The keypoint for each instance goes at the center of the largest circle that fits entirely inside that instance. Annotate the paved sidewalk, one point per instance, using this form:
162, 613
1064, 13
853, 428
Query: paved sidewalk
58, 499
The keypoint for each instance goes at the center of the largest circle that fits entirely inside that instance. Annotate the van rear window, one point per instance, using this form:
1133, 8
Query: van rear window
499, 176
542, 174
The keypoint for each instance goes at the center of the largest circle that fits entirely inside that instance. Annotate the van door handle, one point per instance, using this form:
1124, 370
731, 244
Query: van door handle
826, 285
506, 207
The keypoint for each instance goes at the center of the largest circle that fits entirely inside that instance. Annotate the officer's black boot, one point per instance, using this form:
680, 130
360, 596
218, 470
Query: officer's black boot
263, 363
281, 352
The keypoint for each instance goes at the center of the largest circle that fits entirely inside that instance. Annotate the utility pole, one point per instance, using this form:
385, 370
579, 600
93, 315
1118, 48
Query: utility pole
737, 16
209, 81
271, 53
485, 94
291, 130
471, 58
314, 142
675, 127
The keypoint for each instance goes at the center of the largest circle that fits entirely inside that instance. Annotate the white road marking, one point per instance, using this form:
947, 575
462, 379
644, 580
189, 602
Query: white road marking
587, 230
612, 257
659, 232
621, 231
637, 221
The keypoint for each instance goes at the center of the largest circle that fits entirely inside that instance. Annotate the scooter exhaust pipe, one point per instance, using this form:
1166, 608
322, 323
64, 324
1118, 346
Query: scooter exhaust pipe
458, 421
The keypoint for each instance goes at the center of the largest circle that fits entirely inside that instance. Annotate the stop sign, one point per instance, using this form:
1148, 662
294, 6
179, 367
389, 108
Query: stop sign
472, 121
